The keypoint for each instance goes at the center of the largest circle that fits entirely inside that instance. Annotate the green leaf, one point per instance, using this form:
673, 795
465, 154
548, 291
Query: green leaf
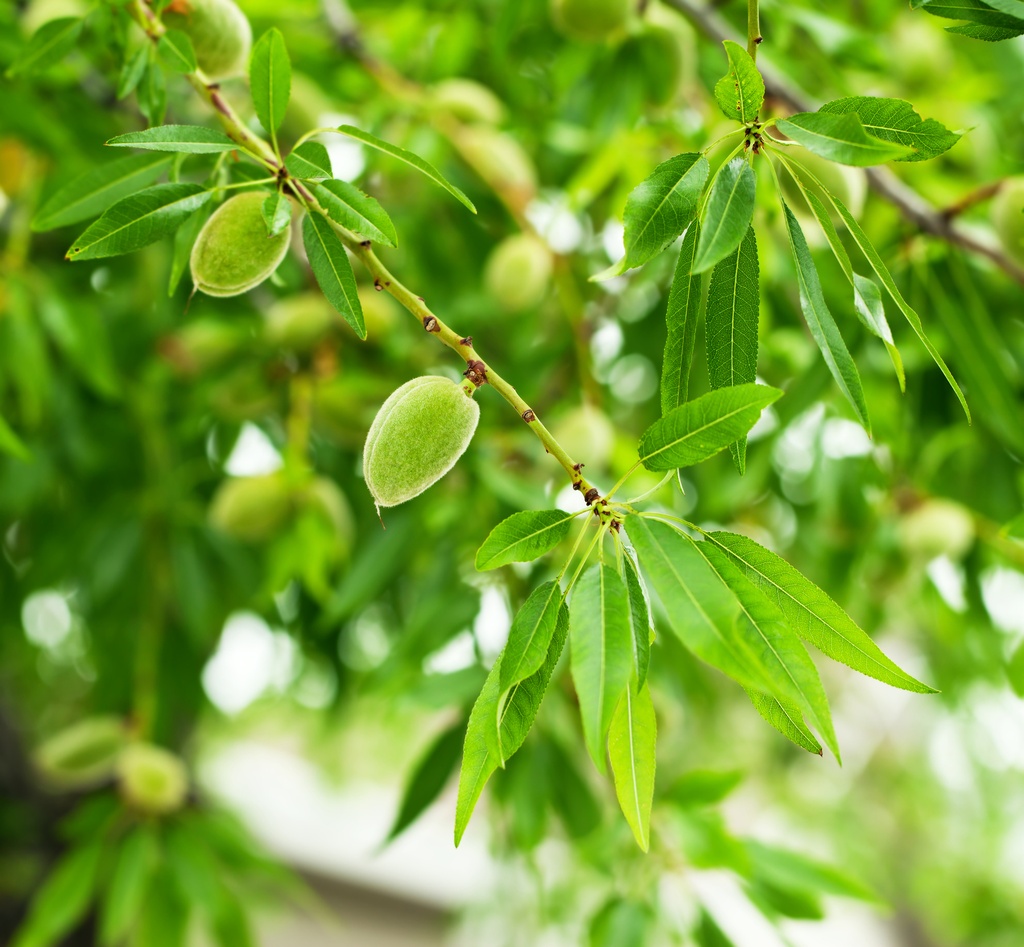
332, 269
601, 652
661, 207
480, 757
740, 92
122, 901
270, 78
176, 51
139, 220
840, 138
990, 21
190, 139
164, 920
789, 666
631, 750
819, 320
639, 620
48, 45
734, 298
357, 211
310, 162
727, 215
131, 72
702, 610
184, 239
152, 91
10, 443
428, 778
812, 614
621, 923
785, 716
409, 158
895, 121
867, 297
523, 537
883, 274
62, 900
82, 338
93, 192
532, 630
681, 317
277, 213
702, 787
698, 429
793, 870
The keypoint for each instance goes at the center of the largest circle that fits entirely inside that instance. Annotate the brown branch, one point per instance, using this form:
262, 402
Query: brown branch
914, 208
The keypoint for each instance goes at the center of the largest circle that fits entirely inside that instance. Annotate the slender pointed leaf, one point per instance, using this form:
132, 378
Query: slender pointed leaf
189, 139
139, 220
270, 78
840, 138
131, 72
631, 750
48, 45
895, 121
480, 757
409, 158
681, 318
428, 778
601, 652
176, 51
332, 269
813, 615
277, 213
62, 900
734, 298
696, 430
310, 162
740, 92
701, 609
357, 211
93, 192
532, 630
661, 207
639, 620
792, 671
785, 717
727, 215
523, 537
819, 320
122, 901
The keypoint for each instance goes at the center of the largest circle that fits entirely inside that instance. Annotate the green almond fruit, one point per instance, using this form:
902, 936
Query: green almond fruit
82, 754
416, 438
591, 20
1008, 217
938, 527
252, 509
299, 322
233, 253
468, 100
220, 34
152, 779
518, 272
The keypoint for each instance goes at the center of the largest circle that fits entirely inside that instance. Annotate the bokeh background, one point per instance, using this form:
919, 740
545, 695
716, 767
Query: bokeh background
300, 659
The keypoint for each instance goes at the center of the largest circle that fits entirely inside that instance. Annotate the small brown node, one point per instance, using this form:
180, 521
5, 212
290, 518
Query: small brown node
617, 525
576, 485
476, 372
378, 285
430, 324
366, 243
578, 467
528, 416
466, 340
591, 495
758, 40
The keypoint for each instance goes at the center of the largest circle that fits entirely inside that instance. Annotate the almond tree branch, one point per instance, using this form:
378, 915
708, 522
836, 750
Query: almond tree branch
478, 371
914, 208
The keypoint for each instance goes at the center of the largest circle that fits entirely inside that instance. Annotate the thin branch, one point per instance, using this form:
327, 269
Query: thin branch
914, 208
478, 371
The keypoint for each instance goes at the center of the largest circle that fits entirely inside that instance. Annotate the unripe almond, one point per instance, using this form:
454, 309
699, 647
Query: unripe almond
324, 497
82, 754
220, 34
252, 509
468, 100
518, 272
1008, 217
416, 438
299, 322
152, 779
500, 160
233, 253
937, 527
590, 20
